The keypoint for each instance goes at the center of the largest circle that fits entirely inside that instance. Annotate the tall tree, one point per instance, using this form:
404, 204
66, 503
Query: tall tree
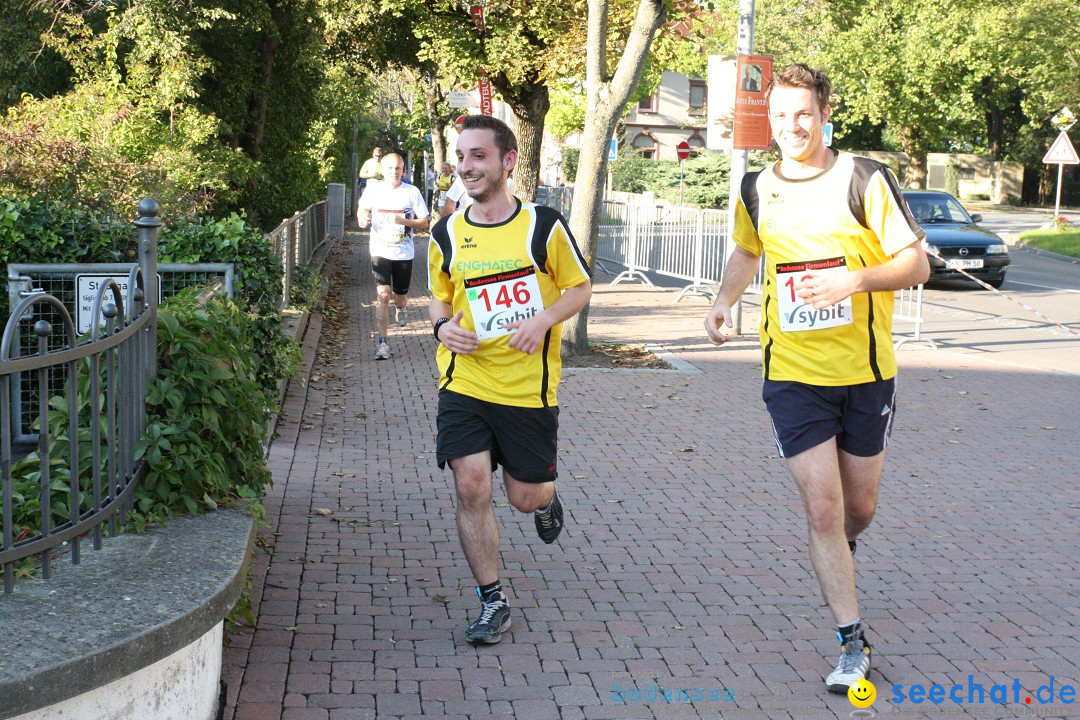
607, 95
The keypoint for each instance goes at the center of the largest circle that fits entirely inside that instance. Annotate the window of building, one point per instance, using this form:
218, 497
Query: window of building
648, 104
698, 95
645, 144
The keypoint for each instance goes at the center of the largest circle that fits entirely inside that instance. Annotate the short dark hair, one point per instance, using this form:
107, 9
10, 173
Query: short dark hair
800, 75
504, 136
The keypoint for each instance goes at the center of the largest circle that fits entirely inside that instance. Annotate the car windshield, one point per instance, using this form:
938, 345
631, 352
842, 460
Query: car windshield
938, 209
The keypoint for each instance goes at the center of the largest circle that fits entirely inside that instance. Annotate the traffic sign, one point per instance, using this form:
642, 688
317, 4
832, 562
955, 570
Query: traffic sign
683, 150
457, 99
826, 134
613, 150
459, 122
1062, 152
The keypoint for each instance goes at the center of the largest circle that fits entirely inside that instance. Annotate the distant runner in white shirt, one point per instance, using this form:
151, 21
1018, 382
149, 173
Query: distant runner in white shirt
458, 198
394, 210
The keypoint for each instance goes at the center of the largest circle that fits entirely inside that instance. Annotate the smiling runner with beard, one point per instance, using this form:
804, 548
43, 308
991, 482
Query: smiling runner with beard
504, 275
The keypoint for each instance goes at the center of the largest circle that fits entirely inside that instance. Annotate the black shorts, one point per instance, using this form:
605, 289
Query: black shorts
396, 273
523, 440
860, 417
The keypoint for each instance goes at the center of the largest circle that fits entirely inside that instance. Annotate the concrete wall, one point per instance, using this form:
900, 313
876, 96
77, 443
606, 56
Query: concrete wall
978, 173
182, 686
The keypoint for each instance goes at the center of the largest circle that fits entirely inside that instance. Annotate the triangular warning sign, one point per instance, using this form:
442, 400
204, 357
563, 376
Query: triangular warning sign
1062, 151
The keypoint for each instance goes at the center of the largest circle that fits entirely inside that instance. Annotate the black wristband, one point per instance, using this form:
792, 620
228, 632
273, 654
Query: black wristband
438, 324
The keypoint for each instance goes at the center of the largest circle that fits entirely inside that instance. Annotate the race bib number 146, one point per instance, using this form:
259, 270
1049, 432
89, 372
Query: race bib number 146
503, 298
797, 316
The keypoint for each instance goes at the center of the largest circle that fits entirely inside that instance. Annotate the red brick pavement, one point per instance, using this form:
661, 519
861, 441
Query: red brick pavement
684, 561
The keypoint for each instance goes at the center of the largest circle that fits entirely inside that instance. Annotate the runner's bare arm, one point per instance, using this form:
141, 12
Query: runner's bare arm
738, 272
906, 268
530, 333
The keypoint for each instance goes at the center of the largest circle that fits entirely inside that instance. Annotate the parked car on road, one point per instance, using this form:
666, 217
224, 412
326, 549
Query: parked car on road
953, 234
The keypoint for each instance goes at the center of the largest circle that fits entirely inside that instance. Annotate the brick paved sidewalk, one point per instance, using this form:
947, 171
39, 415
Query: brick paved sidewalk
684, 563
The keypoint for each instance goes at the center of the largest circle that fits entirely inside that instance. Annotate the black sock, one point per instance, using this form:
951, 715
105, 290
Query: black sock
846, 632
852, 545
486, 591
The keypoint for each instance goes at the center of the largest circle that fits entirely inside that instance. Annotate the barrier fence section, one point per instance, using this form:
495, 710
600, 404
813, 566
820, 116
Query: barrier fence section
296, 240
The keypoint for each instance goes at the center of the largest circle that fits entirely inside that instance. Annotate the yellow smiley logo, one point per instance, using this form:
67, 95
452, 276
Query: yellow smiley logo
862, 693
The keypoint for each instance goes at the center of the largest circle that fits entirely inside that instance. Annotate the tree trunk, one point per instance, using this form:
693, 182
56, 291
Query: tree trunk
437, 123
530, 103
915, 145
606, 99
994, 123
262, 100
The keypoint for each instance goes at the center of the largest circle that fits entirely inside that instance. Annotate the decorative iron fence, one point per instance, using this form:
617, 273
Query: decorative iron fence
297, 239
105, 382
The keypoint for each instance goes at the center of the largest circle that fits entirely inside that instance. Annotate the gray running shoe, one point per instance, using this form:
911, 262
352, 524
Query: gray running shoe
549, 523
494, 620
402, 317
854, 663
382, 351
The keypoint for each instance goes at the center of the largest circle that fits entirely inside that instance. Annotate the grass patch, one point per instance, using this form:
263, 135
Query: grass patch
1065, 242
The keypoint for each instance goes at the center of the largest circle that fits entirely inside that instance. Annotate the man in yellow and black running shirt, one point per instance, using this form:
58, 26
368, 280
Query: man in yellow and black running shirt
838, 240
504, 275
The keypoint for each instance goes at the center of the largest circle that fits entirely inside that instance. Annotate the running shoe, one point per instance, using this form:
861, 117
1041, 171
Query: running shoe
402, 317
382, 351
494, 620
854, 663
549, 522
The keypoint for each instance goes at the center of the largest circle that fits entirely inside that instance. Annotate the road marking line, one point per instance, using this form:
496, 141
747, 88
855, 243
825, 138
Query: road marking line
1045, 287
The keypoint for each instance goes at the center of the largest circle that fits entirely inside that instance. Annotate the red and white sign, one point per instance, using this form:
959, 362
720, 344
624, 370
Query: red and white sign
484, 86
1062, 152
753, 74
459, 122
683, 150
477, 12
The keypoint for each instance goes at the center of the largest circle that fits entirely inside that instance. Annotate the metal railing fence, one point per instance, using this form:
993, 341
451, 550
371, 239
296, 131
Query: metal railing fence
74, 286
105, 382
297, 239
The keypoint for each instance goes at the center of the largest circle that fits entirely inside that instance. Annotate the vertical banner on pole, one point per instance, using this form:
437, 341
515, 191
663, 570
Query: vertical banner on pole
484, 86
477, 13
754, 72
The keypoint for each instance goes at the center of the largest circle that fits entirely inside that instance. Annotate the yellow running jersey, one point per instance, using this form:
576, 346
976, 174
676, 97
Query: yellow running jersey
498, 274
849, 217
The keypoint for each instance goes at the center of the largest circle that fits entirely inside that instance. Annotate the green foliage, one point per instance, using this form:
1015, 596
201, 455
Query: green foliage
1065, 240
567, 113
706, 177
570, 157
952, 178
306, 288
258, 281
58, 231
207, 411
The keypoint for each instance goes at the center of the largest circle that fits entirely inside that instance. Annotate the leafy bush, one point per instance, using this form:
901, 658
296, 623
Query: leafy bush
706, 177
570, 157
306, 288
207, 411
258, 281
